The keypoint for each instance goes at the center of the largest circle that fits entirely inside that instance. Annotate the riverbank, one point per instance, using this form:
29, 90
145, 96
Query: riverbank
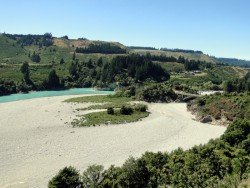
51, 93
37, 140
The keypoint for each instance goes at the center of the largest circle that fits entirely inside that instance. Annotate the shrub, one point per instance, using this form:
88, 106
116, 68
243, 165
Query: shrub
67, 177
134, 173
158, 93
126, 110
110, 110
141, 107
93, 176
201, 102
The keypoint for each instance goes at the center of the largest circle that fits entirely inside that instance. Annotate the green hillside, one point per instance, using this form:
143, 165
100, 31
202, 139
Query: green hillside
190, 56
86, 63
10, 51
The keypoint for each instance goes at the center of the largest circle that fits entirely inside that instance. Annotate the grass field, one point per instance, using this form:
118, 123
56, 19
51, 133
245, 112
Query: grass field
102, 101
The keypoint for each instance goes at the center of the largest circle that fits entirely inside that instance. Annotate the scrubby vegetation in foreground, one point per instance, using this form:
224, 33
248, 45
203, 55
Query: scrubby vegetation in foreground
221, 163
225, 107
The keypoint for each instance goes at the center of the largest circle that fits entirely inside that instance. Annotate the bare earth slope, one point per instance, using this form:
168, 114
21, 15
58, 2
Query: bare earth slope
35, 142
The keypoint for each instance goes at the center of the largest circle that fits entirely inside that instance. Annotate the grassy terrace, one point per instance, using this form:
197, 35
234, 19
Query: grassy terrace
104, 102
102, 118
101, 101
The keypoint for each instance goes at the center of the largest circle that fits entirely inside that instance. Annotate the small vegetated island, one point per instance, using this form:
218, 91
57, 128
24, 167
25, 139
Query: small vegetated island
44, 62
113, 110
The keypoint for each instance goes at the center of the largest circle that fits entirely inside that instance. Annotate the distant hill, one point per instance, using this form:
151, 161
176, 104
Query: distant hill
235, 62
177, 54
182, 50
16, 48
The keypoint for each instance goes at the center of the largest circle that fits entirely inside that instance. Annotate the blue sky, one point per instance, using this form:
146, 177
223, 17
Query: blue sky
217, 27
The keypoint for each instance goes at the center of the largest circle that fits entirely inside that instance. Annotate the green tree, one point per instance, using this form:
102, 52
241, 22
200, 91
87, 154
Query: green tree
134, 173
26, 71
62, 61
228, 86
92, 176
73, 69
35, 57
68, 177
53, 81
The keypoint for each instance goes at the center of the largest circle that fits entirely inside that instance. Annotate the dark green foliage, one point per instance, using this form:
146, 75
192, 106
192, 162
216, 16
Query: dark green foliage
105, 48
35, 57
26, 71
141, 107
27, 84
222, 106
123, 70
110, 110
137, 67
100, 62
192, 65
53, 81
157, 93
134, 173
161, 58
141, 48
237, 132
68, 177
92, 177
62, 61
126, 110
201, 101
181, 50
26, 40
111, 177
188, 64
238, 85
235, 62
7, 87
73, 69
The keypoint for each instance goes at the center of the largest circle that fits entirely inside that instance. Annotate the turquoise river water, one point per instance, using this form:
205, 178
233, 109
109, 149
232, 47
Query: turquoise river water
39, 94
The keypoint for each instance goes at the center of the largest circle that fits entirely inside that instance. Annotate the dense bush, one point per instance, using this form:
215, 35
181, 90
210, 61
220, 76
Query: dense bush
110, 110
126, 110
7, 87
105, 48
141, 107
35, 57
92, 176
238, 85
157, 93
53, 81
66, 178
122, 71
26, 40
226, 107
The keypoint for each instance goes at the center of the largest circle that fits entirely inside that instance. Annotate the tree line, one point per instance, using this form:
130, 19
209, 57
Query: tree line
124, 70
238, 85
188, 64
104, 48
182, 50
27, 40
